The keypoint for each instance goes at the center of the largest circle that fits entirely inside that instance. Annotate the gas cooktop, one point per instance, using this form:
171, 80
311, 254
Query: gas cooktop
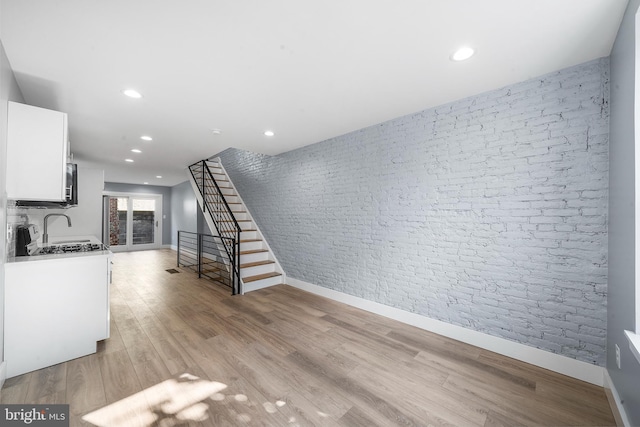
70, 248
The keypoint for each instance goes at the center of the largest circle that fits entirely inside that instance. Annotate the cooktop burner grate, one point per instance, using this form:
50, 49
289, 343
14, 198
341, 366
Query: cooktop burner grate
63, 249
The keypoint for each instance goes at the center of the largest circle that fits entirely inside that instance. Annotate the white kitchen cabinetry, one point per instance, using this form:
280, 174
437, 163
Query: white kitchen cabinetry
37, 148
55, 310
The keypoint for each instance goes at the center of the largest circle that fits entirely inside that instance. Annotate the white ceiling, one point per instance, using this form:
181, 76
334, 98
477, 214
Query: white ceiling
308, 70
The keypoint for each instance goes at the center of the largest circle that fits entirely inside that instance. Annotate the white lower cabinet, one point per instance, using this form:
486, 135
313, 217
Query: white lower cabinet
55, 310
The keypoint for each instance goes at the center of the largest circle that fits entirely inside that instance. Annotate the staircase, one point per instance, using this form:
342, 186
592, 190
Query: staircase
226, 214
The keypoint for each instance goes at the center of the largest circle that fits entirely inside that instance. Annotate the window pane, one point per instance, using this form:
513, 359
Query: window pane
144, 218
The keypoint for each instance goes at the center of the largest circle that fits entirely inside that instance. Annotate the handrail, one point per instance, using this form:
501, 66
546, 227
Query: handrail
213, 203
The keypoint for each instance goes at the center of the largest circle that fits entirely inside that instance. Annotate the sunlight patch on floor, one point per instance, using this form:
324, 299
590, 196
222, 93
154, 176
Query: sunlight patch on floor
166, 404
174, 402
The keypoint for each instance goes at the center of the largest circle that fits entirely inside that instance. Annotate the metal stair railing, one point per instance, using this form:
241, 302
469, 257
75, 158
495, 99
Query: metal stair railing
204, 254
215, 205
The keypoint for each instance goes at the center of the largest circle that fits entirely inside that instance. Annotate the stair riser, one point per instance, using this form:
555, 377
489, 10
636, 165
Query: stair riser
227, 191
248, 235
251, 246
232, 199
258, 269
259, 284
243, 216
220, 179
245, 225
260, 256
212, 194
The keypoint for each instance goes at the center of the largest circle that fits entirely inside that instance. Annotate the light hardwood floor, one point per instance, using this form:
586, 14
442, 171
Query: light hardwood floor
184, 352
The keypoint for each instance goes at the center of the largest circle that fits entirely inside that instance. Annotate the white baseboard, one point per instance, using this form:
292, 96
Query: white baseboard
564, 365
614, 401
3, 373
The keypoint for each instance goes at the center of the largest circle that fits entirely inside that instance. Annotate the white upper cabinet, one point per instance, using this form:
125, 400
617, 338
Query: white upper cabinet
37, 146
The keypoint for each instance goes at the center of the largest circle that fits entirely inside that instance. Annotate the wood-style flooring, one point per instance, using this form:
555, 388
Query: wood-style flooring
184, 352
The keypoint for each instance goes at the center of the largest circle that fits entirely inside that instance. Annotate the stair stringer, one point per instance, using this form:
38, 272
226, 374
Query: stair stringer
252, 286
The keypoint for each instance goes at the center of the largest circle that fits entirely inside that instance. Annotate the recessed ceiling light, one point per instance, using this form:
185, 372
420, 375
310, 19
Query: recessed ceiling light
145, 183
128, 160
158, 176
462, 54
216, 131
269, 133
132, 93
146, 138
135, 150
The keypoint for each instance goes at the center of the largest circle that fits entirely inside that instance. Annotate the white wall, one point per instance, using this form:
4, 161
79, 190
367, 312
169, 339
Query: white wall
184, 210
622, 215
9, 91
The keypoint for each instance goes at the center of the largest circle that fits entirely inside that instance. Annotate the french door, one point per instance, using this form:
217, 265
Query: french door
132, 222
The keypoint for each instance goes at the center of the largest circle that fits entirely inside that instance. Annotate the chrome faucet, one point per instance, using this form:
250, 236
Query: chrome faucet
45, 236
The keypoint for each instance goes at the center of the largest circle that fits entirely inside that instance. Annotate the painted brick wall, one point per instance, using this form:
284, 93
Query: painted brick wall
489, 212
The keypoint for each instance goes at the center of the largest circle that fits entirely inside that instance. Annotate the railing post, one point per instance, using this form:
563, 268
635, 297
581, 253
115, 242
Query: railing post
233, 270
234, 257
178, 260
203, 190
199, 255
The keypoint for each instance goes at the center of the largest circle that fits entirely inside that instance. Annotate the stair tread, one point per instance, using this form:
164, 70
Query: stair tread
250, 240
260, 276
257, 263
254, 251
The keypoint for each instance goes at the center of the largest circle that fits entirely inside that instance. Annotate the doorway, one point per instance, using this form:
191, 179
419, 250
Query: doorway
132, 222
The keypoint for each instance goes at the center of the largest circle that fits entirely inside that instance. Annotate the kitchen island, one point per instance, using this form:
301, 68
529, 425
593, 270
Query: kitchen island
56, 307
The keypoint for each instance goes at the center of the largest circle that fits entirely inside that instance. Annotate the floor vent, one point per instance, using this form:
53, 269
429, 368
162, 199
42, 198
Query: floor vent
172, 271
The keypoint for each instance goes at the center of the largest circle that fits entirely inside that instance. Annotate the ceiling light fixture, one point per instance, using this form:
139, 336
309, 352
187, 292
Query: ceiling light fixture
158, 176
135, 150
128, 160
131, 93
463, 53
145, 183
216, 131
146, 138
269, 133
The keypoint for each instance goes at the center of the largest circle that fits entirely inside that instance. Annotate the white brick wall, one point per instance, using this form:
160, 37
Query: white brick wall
488, 213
